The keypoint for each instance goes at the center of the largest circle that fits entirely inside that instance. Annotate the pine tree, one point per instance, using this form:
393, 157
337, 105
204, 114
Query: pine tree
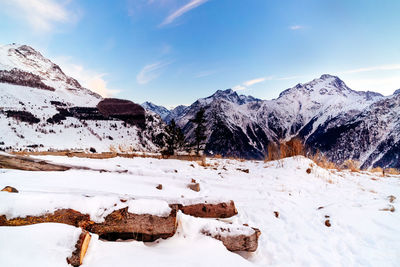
174, 138
199, 131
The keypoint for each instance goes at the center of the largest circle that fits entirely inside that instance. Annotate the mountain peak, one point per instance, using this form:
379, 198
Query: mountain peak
328, 76
232, 96
160, 110
228, 91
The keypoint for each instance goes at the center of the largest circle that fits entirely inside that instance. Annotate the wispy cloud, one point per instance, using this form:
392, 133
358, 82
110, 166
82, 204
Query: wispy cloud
296, 27
41, 15
182, 10
289, 78
254, 81
251, 82
151, 72
374, 68
239, 88
90, 79
205, 73
381, 78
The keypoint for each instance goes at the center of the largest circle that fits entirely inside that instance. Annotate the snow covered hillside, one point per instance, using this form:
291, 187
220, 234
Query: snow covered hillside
308, 216
40, 105
42, 108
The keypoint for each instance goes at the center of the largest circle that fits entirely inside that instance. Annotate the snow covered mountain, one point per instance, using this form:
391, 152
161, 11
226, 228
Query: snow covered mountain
175, 113
42, 108
371, 136
40, 105
160, 110
243, 126
166, 114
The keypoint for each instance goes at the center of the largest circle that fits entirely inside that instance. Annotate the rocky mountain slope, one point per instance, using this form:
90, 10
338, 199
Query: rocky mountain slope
325, 113
160, 110
42, 108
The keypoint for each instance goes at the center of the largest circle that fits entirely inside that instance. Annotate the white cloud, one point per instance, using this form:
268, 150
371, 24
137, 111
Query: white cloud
87, 78
251, 82
254, 81
151, 72
41, 15
289, 78
296, 27
374, 68
206, 73
238, 88
182, 10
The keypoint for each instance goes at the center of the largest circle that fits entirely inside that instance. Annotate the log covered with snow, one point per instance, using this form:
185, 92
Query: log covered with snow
81, 247
210, 210
110, 217
28, 164
65, 216
121, 224
234, 237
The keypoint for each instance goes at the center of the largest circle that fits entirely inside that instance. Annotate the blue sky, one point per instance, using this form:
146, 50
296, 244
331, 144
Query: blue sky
172, 52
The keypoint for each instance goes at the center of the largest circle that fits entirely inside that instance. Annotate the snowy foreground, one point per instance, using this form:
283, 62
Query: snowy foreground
362, 232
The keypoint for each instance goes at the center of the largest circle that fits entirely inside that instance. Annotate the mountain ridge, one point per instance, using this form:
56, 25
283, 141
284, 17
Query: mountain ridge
40, 104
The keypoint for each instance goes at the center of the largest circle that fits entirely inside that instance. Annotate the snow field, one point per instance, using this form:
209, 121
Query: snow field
361, 231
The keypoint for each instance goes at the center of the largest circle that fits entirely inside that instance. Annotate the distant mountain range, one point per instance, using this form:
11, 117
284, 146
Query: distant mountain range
42, 108
325, 113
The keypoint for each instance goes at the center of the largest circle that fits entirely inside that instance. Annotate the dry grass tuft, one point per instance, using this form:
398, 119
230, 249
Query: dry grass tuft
112, 149
322, 161
293, 147
352, 165
392, 171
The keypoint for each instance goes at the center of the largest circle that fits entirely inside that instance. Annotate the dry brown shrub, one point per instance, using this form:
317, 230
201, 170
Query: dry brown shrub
352, 165
218, 156
273, 152
293, 147
392, 171
322, 161
284, 150
112, 149
377, 169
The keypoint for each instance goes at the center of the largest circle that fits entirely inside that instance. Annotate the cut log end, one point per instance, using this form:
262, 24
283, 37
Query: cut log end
9, 189
81, 247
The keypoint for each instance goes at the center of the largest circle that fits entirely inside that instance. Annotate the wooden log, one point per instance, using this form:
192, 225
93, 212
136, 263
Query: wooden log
65, 216
28, 164
9, 189
121, 224
81, 247
210, 210
234, 239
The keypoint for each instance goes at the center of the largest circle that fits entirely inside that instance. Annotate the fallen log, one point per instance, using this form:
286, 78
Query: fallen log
210, 210
121, 224
81, 247
65, 216
235, 238
28, 164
